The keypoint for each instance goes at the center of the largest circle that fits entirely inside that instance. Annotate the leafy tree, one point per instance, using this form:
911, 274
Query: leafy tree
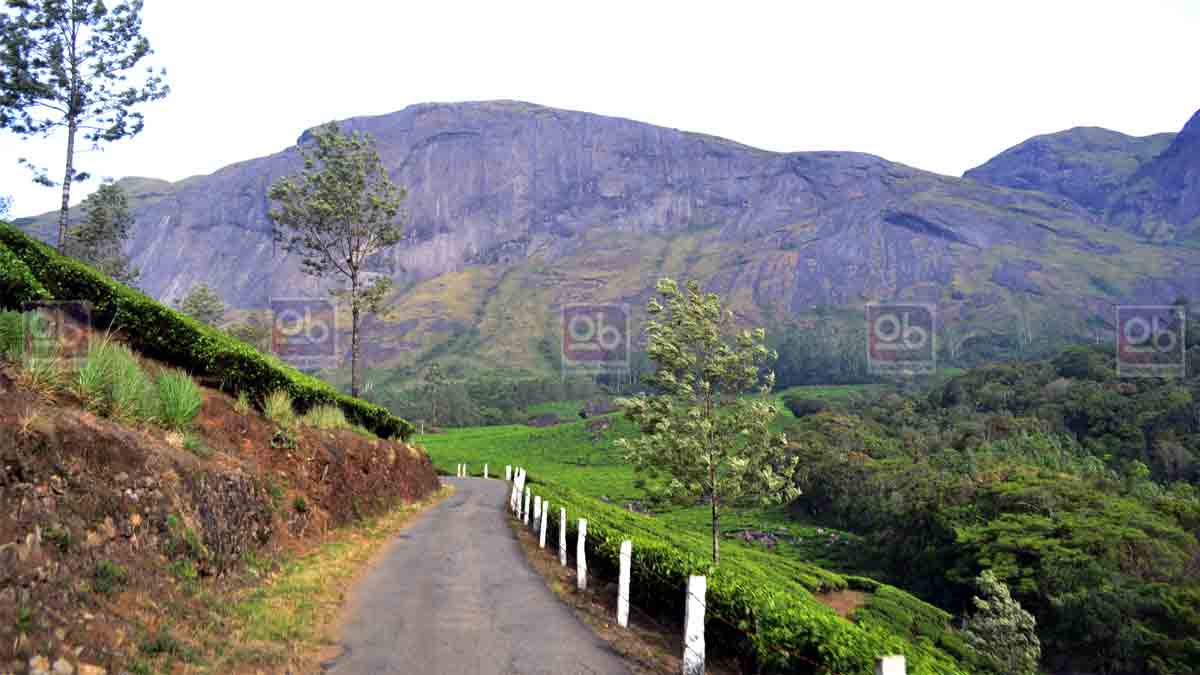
701, 429
100, 239
69, 64
203, 304
1001, 631
338, 212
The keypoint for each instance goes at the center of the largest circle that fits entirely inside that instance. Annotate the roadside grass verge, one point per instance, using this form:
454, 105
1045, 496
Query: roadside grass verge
287, 621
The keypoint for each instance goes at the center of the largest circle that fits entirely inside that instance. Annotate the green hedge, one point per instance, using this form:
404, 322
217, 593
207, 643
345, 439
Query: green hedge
173, 338
17, 283
760, 606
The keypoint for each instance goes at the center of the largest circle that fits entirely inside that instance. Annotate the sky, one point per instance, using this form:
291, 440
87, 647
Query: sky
938, 85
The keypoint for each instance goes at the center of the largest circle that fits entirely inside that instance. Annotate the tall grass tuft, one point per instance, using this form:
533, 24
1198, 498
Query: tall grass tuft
179, 399
41, 364
111, 382
325, 416
242, 405
278, 408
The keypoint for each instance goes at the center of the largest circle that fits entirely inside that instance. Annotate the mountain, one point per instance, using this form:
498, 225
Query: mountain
1147, 185
515, 209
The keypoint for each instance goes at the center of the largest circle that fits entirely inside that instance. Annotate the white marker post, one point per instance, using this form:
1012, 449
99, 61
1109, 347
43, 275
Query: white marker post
562, 536
623, 585
693, 627
581, 555
508, 472
545, 517
890, 665
485, 470
525, 511
537, 510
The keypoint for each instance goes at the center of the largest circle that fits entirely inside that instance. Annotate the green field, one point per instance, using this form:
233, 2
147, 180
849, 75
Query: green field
567, 455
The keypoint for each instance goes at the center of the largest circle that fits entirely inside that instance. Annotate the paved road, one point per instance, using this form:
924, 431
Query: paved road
455, 596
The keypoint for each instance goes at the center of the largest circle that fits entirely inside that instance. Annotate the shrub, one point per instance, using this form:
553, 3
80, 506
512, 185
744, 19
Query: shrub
179, 399
170, 337
277, 407
760, 606
41, 365
325, 417
803, 407
17, 283
300, 504
12, 335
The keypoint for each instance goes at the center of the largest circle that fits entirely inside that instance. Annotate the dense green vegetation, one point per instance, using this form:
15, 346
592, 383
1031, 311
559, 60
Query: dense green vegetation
761, 607
163, 334
1077, 488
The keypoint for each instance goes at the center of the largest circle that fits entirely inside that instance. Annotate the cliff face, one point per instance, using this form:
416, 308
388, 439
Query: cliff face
515, 208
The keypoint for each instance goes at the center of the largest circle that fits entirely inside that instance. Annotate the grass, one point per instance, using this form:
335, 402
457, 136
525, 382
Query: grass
286, 620
325, 417
278, 408
179, 399
109, 577
242, 405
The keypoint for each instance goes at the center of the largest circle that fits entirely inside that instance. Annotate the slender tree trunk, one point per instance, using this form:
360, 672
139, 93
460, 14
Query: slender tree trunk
68, 177
354, 337
716, 513
354, 350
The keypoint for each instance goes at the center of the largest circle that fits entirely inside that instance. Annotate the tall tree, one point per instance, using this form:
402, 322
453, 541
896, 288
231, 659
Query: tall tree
340, 210
203, 304
705, 429
69, 64
434, 380
100, 240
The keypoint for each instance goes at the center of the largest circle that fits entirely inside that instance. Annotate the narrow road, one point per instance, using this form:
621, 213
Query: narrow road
455, 596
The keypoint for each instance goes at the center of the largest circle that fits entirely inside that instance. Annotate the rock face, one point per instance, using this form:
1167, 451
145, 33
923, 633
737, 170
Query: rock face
1086, 164
514, 209
1149, 186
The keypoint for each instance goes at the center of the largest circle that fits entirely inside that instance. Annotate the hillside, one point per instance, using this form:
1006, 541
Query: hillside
139, 508
1149, 186
515, 209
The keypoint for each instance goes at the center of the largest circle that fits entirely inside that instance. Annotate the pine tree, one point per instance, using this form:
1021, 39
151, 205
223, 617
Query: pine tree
100, 240
69, 64
203, 304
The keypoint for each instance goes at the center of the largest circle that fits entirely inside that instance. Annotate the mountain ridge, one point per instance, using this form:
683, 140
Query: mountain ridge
516, 205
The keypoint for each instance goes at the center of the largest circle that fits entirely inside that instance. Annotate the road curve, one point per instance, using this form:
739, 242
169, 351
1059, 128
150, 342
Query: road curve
454, 595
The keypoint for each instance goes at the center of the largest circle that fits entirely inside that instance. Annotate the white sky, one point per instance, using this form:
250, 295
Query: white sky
938, 85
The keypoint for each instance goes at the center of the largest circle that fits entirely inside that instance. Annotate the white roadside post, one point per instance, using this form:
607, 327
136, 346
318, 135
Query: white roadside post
537, 510
581, 555
485, 470
508, 472
693, 627
890, 665
464, 470
562, 536
623, 585
545, 517
525, 511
